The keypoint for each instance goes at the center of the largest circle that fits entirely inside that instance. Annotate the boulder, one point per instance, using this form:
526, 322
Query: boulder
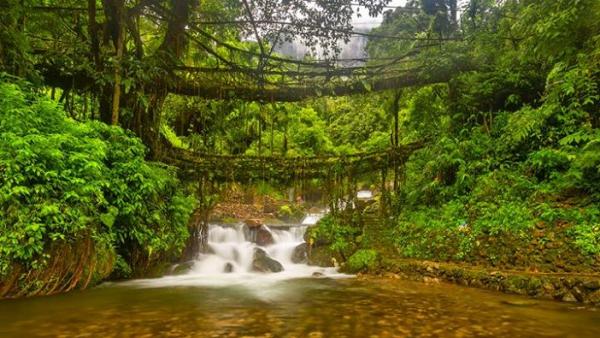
181, 268
263, 263
253, 222
264, 236
260, 235
228, 268
322, 256
300, 256
318, 274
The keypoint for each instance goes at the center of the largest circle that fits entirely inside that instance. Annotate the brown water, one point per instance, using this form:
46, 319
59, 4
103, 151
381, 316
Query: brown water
295, 308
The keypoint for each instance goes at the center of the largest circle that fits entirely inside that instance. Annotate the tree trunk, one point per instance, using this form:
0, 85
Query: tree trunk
115, 14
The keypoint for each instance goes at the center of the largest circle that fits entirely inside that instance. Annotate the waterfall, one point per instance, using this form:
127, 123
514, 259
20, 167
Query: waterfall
231, 255
312, 219
232, 245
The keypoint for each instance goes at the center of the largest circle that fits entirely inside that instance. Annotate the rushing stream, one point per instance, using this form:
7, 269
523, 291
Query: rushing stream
210, 302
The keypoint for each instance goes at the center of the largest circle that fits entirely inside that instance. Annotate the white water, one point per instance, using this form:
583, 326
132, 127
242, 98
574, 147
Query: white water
312, 219
364, 194
230, 246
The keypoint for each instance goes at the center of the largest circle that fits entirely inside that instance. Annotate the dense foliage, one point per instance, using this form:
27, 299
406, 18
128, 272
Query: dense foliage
510, 173
63, 183
514, 158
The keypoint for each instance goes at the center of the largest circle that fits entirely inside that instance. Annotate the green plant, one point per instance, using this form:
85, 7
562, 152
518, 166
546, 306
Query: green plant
362, 260
79, 190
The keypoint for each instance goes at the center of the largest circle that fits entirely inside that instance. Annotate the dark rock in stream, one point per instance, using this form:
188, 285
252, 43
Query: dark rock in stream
253, 223
228, 268
263, 263
181, 268
259, 235
264, 237
300, 256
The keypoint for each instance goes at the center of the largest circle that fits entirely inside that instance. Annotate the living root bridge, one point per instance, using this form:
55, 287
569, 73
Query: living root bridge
244, 169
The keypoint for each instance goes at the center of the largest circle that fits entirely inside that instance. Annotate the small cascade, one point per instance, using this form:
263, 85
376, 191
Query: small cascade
232, 251
234, 258
312, 219
235, 245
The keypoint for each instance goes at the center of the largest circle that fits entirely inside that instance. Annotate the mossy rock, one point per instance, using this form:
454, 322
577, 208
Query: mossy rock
322, 256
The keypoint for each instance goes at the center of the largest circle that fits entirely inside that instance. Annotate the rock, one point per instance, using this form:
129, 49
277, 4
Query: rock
430, 280
263, 263
391, 275
592, 285
253, 222
300, 256
321, 256
228, 268
260, 235
181, 268
548, 287
264, 236
568, 297
318, 274
578, 293
594, 297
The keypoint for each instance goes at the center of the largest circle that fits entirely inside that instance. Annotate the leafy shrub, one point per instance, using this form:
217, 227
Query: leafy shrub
63, 183
340, 237
362, 260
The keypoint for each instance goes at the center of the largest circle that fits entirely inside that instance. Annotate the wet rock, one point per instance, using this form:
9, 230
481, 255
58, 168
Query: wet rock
578, 294
260, 235
321, 256
594, 297
263, 263
253, 222
181, 268
548, 287
264, 236
431, 280
568, 297
592, 285
391, 275
228, 268
300, 256
318, 274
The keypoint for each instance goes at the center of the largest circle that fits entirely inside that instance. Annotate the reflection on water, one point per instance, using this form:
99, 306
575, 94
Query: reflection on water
308, 307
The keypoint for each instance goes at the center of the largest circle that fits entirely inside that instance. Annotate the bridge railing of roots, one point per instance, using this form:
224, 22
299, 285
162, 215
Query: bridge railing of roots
245, 169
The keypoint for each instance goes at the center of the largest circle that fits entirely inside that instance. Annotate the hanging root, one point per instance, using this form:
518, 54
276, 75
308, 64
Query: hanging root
70, 265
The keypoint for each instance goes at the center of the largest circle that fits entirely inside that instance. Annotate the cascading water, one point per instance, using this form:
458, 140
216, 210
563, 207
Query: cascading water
230, 247
312, 219
230, 257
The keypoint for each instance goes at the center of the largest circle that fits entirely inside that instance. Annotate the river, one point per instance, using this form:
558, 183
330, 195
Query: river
206, 302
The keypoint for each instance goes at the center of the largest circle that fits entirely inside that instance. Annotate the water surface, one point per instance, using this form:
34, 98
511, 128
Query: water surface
308, 307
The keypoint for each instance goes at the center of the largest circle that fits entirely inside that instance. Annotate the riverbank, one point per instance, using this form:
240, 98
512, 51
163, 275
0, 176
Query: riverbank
543, 262
567, 287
